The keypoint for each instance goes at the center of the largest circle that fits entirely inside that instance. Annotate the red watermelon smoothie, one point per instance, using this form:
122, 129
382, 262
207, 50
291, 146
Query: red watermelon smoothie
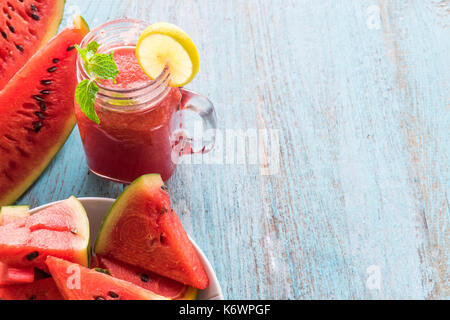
130, 141
141, 128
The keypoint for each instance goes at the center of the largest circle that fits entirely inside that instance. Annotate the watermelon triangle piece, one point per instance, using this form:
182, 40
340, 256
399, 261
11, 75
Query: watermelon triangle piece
148, 280
60, 230
39, 290
76, 282
142, 230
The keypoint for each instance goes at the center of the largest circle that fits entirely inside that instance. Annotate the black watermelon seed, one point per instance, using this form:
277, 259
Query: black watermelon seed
9, 17
113, 295
11, 28
37, 126
46, 82
74, 231
19, 47
164, 188
52, 69
4, 35
42, 105
32, 298
33, 7
40, 115
56, 60
35, 17
145, 278
70, 48
38, 98
45, 92
99, 298
32, 256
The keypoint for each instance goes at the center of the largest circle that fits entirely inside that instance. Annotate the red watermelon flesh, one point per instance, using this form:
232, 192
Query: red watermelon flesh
148, 280
25, 26
36, 113
9, 275
60, 230
142, 230
76, 282
39, 290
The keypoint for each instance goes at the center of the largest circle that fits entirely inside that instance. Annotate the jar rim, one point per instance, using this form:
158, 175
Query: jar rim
159, 84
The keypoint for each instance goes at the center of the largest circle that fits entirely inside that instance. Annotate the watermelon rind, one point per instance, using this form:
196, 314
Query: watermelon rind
15, 211
55, 26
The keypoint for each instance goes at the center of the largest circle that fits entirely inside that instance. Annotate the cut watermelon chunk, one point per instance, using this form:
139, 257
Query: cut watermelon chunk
25, 26
148, 280
40, 290
143, 231
37, 113
76, 282
61, 230
10, 275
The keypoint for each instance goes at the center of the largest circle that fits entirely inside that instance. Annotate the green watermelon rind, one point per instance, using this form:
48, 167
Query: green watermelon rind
114, 213
16, 212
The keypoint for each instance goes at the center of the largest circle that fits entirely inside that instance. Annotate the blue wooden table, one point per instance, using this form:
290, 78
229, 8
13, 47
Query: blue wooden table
354, 98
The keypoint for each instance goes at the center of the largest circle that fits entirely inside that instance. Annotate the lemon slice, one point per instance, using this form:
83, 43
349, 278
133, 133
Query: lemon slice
165, 45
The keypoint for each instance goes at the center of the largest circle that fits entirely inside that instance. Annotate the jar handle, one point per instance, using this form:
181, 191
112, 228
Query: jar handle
205, 109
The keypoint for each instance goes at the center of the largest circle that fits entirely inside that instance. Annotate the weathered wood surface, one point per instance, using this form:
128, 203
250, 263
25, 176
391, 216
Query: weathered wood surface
359, 94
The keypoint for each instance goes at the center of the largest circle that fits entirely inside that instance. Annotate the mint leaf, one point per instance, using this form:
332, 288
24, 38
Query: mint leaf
82, 52
85, 95
103, 66
92, 47
98, 66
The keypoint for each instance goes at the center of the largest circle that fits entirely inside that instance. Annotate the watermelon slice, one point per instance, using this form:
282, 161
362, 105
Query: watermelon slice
36, 113
10, 275
76, 282
25, 26
61, 230
148, 280
143, 231
40, 290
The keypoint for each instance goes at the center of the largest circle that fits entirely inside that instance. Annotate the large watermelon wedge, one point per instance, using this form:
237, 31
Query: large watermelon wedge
79, 283
36, 113
142, 230
148, 280
61, 230
25, 25
39, 290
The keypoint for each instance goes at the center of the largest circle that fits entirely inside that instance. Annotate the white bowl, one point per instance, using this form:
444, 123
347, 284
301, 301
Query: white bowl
96, 208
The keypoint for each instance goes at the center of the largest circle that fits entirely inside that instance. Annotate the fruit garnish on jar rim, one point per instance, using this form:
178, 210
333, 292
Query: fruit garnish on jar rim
165, 45
162, 45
